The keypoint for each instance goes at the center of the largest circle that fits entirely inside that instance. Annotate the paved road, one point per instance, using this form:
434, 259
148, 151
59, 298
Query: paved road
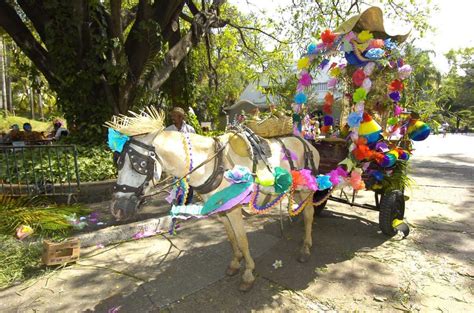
353, 266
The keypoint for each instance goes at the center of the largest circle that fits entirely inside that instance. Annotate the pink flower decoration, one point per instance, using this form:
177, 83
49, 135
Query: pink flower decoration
397, 110
305, 79
334, 177
309, 179
369, 68
367, 84
341, 172
404, 71
332, 82
350, 36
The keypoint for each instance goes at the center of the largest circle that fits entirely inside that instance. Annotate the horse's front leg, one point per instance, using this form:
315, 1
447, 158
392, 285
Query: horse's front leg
236, 221
234, 265
305, 252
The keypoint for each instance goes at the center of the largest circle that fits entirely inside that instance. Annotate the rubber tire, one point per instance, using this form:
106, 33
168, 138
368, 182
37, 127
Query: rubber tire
392, 205
319, 208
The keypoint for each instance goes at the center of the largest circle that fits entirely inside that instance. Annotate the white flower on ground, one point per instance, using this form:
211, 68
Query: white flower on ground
277, 264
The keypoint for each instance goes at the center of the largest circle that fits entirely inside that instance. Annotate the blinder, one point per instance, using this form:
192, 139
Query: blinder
141, 163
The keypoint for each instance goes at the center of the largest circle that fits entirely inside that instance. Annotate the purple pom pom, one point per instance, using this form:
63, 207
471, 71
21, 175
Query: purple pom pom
328, 120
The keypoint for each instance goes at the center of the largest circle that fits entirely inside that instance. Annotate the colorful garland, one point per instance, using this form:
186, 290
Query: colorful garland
254, 207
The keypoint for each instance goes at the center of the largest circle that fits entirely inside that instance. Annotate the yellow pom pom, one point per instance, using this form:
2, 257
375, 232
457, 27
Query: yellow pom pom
335, 71
395, 153
265, 178
396, 222
303, 63
365, 35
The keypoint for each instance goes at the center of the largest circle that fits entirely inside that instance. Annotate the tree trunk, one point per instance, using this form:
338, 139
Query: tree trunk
8, 81
40, 104
32, 102
3, 99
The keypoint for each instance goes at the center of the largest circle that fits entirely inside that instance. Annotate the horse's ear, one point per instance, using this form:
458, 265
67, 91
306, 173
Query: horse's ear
239, 145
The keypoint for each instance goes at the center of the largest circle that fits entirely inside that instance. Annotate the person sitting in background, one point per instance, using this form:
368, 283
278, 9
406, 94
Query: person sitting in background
14, 135
179, 124
58, 130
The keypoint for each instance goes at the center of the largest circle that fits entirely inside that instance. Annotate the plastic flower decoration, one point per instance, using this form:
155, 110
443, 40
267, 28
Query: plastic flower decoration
324, 182
359, 95
376, 43
369, 68
404, 71
397, 110
367, 84
303, 63
358, 77
375, 53
354, 119
335, 71
312, 48
396, 85
389, 44
305, 79
365, 35
328, 37
329, 98
300, 98
395, 96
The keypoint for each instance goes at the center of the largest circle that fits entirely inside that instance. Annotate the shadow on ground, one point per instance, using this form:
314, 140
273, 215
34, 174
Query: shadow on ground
337, 238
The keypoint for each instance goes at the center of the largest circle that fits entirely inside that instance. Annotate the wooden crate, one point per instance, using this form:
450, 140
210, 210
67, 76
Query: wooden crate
62, 252
331, 151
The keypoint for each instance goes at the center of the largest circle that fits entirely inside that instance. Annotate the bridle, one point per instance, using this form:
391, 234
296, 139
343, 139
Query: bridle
143, 164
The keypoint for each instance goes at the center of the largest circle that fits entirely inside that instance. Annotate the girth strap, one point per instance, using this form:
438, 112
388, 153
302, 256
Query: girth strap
217, 173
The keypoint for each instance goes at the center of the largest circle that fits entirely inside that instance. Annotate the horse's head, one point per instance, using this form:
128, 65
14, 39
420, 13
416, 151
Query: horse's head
137, 165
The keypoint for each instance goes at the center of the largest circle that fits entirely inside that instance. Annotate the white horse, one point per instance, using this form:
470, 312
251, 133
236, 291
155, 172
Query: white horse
149, 155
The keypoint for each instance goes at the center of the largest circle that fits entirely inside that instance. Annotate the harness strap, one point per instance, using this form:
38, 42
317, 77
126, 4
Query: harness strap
287, 153
213, 181
308, 156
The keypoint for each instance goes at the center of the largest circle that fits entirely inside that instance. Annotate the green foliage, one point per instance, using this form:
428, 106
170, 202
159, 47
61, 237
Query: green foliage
95, 163
399, 179
19, 260
193, 121
45, 219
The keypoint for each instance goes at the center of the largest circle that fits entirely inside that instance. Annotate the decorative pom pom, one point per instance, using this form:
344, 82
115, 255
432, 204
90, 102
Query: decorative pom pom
395, 96
365, 35
375, 53
328, 37
328, 120
300, 98
358, 77
359, 95
303, 63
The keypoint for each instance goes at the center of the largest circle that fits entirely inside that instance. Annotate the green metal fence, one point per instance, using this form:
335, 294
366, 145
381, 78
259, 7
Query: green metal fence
39, 170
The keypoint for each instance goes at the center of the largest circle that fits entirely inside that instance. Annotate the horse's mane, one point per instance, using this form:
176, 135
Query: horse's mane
147, 121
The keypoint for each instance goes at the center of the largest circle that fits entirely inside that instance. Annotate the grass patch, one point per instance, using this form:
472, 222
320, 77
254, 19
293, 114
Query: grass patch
19, 261
6, 122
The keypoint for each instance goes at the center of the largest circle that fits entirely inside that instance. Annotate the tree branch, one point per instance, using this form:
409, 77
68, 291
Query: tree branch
14, 26
239, 28
35, 13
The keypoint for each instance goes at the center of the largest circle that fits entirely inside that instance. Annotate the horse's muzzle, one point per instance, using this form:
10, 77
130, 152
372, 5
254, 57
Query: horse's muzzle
123, 208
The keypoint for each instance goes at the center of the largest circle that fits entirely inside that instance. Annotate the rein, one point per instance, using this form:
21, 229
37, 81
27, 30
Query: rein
212, 157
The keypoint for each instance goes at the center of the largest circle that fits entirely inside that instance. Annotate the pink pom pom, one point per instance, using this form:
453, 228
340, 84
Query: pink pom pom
305, 79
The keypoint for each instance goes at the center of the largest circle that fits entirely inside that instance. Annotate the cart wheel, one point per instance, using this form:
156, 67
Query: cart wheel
317, 196
392, 206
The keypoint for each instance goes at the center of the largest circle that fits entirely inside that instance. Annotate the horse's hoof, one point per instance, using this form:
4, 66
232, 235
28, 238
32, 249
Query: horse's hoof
246, 286
232, 271
303, 258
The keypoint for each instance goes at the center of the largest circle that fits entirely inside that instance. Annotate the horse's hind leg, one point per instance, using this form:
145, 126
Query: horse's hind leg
234, 265
308, 227
237, 223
